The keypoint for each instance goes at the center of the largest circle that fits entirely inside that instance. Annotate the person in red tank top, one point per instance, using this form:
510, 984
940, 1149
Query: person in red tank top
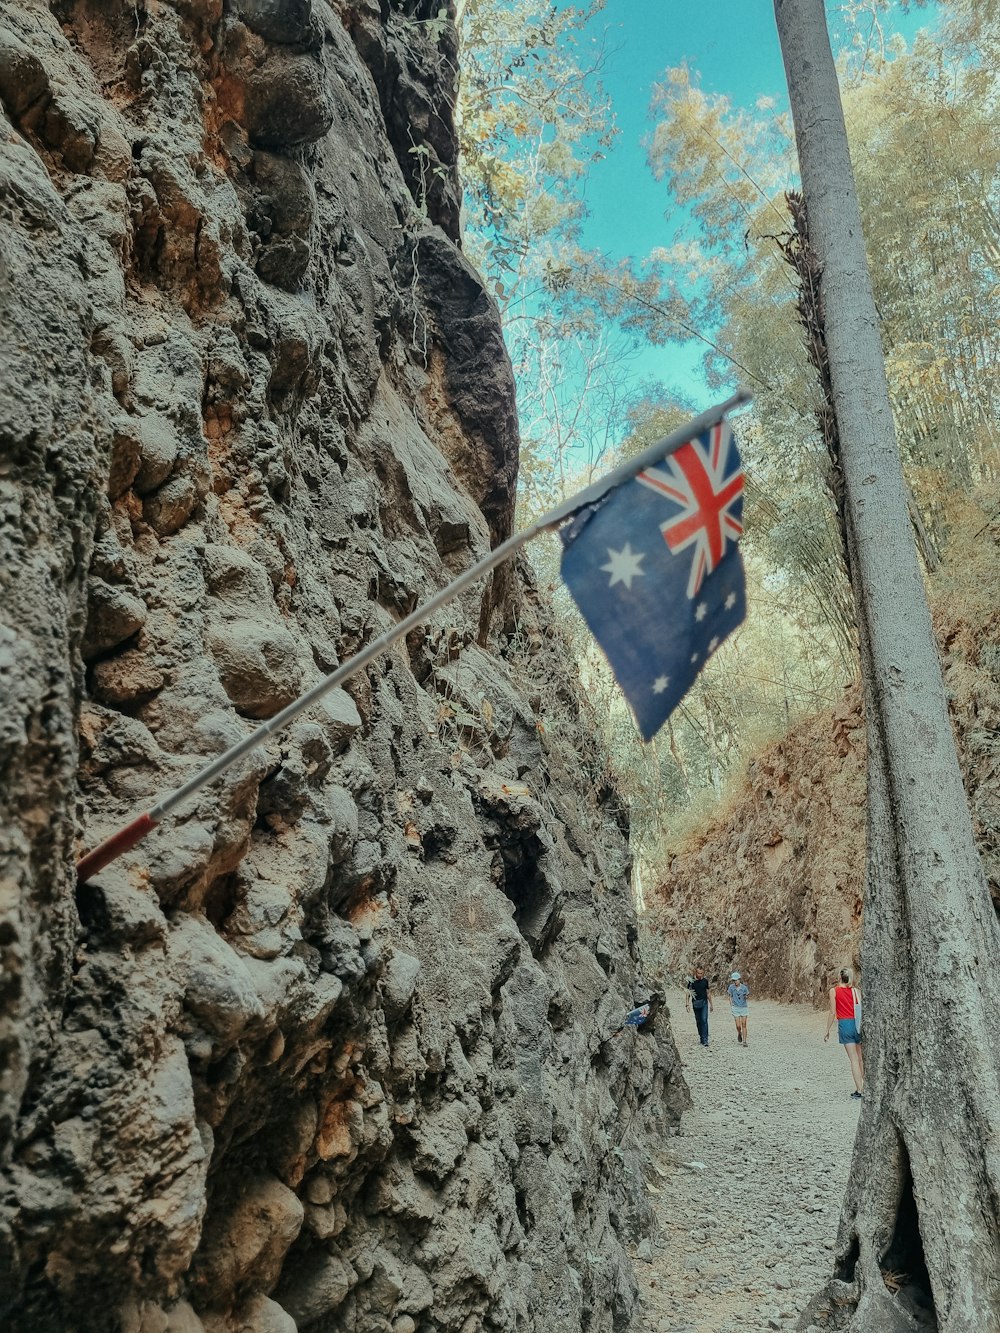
845, 1011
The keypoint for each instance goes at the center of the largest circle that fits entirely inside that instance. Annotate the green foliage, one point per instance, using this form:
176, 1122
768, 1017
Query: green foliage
924, 130
533, 119
923, 125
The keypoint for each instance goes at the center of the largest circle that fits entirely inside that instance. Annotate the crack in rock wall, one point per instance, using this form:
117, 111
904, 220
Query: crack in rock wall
333, 1048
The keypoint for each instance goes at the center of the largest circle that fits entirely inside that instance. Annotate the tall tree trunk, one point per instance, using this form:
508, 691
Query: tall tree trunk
919, 1241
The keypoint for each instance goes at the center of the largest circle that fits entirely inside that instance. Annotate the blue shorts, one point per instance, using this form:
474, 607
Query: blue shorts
847, 1032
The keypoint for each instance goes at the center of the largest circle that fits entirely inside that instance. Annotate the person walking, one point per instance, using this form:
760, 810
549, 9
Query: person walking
845, 1011
738, 990
699, 998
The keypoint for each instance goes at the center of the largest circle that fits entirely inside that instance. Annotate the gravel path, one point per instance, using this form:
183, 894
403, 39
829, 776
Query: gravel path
745, 1239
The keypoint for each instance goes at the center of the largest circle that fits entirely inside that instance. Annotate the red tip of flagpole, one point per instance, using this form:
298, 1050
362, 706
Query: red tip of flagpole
111, 848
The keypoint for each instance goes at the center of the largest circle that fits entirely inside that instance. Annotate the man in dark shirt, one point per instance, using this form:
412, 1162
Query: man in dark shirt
699, 999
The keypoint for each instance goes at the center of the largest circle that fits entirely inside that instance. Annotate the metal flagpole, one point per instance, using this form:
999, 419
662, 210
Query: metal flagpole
133, 833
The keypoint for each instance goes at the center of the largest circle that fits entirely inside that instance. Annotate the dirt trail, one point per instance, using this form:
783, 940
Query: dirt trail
746, 1238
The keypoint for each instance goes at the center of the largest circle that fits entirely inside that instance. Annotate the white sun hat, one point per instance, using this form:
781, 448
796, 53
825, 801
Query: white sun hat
735, 976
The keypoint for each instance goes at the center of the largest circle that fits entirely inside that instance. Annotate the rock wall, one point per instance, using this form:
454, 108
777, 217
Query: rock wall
773, 884
333, 1048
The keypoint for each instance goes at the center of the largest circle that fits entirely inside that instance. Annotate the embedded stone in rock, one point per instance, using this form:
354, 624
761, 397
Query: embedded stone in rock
126, 455
338, 715
341, 950
148, 1317
218, 988
285, 193
385, 1286
399, 981
181, 1318
236, 576
258, 1315
284, 262
284, 212
115, 615
169, 508
290, 1140
340, 816
284, 794
258, 917
321, 1221
71, 126
451, 536
440, 1141
258, 665
110, 560
118, 354
319, 1290
113, 742
310, 739
178, 858
320, 1189
126, 679
23, 79
313, 1003
252, 1239
158, 450
278, 20
287, 101
112, 909
340, 1130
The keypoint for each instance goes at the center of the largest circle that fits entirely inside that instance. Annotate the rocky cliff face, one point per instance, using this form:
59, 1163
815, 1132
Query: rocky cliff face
773, 884
332, 1049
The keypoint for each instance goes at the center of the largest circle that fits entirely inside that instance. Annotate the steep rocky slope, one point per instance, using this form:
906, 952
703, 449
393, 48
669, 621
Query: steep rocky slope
773, 884
331, 1050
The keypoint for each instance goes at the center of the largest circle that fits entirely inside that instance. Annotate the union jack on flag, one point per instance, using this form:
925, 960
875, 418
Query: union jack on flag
654, 566
705, 478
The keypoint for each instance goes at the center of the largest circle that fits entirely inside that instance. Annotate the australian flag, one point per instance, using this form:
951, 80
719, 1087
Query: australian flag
655, 569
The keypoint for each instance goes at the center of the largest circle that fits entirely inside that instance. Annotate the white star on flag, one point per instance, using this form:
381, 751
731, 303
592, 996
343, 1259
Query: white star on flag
701, 610
730, 601
623, 565
712, 645
660, 684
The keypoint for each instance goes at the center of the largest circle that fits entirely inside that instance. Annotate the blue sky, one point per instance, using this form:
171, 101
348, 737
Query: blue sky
733, 45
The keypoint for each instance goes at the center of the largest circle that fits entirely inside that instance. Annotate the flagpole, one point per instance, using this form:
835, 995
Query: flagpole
127, 837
